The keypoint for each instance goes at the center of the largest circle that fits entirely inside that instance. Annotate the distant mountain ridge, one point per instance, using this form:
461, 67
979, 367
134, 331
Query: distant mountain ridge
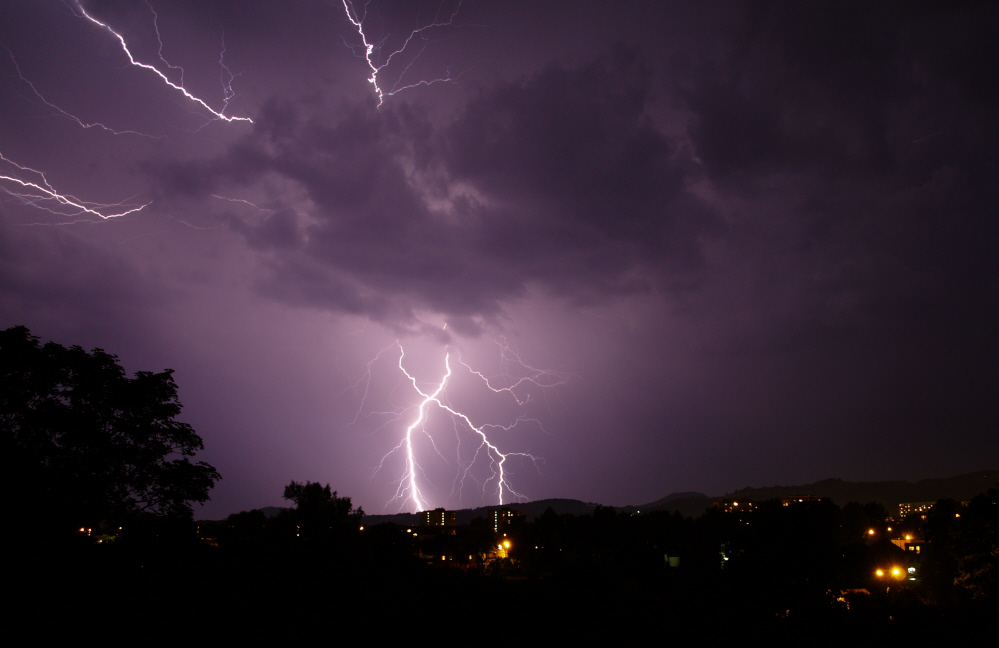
888, 493
688, 504
529, 510
693, 504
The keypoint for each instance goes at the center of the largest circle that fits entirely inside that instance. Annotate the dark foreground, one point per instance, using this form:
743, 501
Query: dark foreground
785, 576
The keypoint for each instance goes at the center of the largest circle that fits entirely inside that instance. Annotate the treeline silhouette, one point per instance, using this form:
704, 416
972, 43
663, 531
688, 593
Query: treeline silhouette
800, 572
102, 545
794, 573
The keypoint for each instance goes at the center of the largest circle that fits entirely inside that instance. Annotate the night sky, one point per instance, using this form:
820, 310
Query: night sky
690, 245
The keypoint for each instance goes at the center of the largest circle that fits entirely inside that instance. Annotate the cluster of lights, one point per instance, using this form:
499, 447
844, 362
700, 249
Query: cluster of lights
101, 538
896, 572
893, 572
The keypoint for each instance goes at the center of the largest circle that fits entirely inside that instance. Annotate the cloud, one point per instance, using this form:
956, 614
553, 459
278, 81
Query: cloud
559, 181
850, 158
53, 277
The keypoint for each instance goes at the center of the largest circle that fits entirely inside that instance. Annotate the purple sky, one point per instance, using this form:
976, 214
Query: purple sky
733, 244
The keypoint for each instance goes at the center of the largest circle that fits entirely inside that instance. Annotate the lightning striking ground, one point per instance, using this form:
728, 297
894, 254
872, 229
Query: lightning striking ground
484, 454
370, 49
31, 187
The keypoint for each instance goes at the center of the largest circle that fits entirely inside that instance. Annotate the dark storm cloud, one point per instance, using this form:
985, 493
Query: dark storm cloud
800, 85
855, 145
848, 89
45, 270
560, 180
594, 193
278, 230
853, 120
60, 268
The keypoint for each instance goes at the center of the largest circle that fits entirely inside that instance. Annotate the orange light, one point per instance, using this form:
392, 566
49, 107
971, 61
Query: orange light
879, 573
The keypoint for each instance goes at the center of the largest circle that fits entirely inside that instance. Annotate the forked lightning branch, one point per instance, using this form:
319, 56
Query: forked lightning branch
480, 460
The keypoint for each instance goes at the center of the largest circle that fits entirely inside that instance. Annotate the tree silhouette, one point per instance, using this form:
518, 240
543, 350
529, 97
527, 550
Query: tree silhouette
88, 445
319, 513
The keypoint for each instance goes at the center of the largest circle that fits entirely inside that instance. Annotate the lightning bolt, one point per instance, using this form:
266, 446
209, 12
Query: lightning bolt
78, 9
37, 192
241, 200
533, 375
159, 41
484, 449
64, 113
371, 48
30, 186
